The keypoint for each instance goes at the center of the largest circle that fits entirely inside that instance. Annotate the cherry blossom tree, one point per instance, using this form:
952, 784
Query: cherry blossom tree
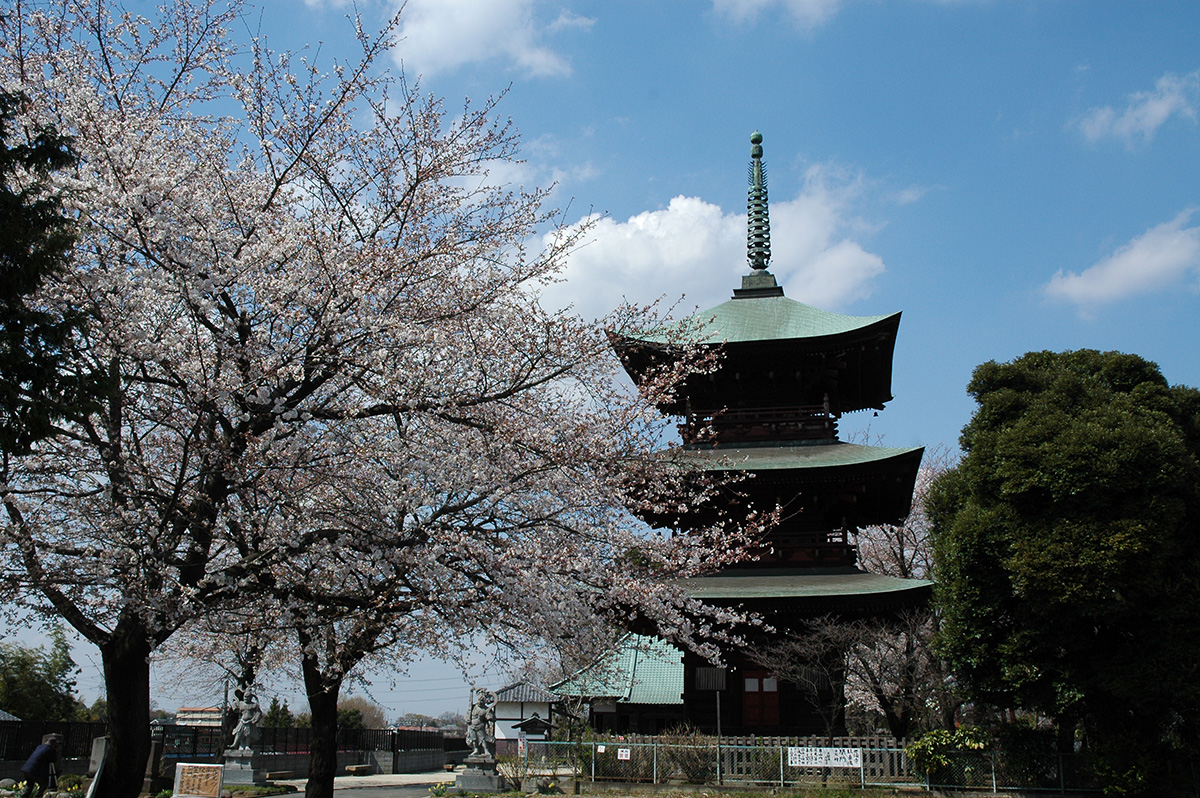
335, 407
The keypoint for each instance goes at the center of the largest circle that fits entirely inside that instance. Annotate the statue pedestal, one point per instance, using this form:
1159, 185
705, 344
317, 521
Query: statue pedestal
239, 767
479, 776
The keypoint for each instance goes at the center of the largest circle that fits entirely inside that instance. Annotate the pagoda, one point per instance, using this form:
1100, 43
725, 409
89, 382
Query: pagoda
769, 410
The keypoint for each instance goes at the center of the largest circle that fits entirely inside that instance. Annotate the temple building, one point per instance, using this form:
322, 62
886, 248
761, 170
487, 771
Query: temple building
787, 374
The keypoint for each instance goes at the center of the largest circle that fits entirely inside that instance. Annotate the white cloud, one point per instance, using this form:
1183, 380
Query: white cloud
807, 14
696, 249
1159, 258
442, 35
1146, 112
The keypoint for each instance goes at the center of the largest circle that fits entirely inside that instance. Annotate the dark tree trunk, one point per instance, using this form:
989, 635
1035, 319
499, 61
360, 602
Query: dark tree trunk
126, 658
322, 703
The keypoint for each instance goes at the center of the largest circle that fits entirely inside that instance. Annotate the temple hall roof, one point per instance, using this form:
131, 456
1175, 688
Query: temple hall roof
640, 670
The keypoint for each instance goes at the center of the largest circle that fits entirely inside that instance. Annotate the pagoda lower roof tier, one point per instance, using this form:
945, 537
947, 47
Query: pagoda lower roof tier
808, 591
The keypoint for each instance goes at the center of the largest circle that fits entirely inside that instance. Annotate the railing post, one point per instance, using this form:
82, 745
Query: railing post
655, 752
593, 762
992, 759
781, 754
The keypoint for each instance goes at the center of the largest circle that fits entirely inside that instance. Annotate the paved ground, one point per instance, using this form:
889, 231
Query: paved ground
383, 785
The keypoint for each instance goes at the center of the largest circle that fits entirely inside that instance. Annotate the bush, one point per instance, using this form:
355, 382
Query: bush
933, 752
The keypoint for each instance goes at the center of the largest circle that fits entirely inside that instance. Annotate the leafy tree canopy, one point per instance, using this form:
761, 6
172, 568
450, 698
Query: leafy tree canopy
1066, 549
36, 684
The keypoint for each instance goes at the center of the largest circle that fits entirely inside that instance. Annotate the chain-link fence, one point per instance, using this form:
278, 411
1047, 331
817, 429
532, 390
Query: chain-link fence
1004, 771
659, 762
782, 764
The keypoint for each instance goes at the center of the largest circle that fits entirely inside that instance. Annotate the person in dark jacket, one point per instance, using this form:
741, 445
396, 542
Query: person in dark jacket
37, 770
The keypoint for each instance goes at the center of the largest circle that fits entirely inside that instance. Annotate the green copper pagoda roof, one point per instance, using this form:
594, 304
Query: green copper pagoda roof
801, 454
838, 583
763, 318
641, 670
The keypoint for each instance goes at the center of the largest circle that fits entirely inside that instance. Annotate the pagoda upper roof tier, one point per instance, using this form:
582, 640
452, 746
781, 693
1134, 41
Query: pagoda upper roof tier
777, 352
767, 318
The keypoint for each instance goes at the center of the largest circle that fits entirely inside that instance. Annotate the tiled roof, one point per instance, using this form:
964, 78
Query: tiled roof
7, 715
641, 670
525, 693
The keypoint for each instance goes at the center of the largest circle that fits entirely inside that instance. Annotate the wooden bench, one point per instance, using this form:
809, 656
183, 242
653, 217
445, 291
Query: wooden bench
272, 775
360, 770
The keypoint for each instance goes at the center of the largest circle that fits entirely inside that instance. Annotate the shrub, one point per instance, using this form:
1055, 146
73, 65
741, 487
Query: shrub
933, 752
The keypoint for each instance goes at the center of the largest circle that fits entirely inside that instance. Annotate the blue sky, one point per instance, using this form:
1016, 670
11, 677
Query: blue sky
1013, 175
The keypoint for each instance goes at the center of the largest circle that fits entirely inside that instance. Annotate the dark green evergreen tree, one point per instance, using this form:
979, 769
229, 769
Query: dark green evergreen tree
1068, 557
38, 376
278, 715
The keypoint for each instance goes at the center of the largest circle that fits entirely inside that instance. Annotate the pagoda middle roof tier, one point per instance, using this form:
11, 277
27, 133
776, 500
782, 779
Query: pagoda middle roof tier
837, 482
795, 455
796, 584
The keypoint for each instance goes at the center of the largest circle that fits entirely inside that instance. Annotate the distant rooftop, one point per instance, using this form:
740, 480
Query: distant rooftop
526, 693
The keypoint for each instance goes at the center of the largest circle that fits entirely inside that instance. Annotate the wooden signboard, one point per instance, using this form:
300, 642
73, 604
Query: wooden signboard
198, 781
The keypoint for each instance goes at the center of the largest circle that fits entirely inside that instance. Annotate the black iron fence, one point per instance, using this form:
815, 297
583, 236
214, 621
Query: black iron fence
19, 738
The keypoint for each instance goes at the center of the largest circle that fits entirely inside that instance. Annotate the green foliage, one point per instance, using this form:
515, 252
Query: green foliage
933, 752
70, 782
97, 712
278, 715
350, 718
370, 714
439, 790
1067, 552
36, 684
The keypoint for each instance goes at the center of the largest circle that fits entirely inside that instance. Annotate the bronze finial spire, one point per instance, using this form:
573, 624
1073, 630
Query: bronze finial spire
759, 282
758, 222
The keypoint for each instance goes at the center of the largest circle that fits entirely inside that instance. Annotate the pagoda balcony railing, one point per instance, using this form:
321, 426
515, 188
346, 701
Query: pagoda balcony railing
794, 548
753, 424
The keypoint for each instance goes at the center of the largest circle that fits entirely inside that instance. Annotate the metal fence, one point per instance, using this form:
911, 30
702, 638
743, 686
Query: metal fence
179, 741
767, 764
999, 770
18, 738
727, 763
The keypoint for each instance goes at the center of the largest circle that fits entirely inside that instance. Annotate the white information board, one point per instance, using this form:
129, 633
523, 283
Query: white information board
623, 753
824, 757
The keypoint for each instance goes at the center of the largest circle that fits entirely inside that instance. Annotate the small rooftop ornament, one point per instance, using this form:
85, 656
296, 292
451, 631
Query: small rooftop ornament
759, 282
